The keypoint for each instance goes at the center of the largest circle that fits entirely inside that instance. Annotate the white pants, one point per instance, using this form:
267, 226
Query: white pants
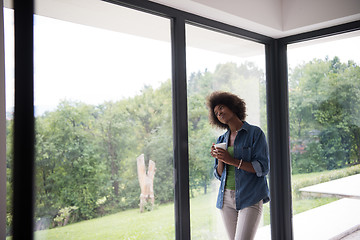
242, 224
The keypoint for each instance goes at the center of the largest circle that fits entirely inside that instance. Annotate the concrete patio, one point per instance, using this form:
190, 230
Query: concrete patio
347, 187
335, 220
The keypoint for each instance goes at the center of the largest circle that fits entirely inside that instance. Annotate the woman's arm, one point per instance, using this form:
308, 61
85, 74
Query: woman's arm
220, 168
260, 154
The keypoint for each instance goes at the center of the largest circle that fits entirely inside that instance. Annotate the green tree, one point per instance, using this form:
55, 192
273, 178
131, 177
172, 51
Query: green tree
86, 155
68, 170
115, 131
339, 114
324, 115
201, 137
9, 165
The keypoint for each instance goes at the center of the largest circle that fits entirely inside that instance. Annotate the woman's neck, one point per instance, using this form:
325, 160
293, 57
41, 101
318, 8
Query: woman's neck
235, 125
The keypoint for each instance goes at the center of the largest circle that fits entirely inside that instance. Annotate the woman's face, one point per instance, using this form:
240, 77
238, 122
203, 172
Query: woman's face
223, 113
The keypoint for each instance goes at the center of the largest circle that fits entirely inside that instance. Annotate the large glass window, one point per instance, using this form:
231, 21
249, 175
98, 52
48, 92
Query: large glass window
9, 109
217, 61
324, 118
103, 108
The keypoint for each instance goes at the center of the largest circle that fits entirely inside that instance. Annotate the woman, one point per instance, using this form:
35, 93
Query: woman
241, 169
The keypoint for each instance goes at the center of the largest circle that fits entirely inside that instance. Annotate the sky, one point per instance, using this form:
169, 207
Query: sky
76, 62
345, 49
81, 63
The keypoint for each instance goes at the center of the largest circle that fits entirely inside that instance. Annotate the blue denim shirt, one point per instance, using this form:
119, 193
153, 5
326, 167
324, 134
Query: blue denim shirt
250, 146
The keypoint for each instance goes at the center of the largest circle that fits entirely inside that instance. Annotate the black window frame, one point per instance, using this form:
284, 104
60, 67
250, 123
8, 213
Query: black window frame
277, 110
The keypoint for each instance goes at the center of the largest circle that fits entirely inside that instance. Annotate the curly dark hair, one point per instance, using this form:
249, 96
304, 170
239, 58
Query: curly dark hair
232, 101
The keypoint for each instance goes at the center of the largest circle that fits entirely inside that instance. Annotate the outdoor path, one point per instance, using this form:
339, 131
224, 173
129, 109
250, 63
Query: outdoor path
343, 187
336, 220
330, 221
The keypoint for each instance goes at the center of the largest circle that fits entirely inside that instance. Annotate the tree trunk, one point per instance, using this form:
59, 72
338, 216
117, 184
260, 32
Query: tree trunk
146, 181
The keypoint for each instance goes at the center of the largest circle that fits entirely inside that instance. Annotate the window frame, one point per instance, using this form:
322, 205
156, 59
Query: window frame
277, 110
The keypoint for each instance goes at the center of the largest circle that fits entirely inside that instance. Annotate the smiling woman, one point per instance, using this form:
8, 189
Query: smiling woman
241, 167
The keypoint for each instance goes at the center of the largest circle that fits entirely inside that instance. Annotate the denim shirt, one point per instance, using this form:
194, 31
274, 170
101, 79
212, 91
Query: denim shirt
250, 146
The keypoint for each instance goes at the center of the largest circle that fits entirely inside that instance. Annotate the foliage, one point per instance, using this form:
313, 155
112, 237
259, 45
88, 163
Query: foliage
63, 216
68, 170
86, 155
324, 100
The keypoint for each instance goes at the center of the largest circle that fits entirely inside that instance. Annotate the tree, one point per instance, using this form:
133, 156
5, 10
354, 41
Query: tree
324, 115
86, 155
201, 137
68, 170
9, 167
114, 130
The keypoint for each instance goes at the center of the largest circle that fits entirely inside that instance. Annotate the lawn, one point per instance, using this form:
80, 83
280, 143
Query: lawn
159, 223
156, 224
131, 224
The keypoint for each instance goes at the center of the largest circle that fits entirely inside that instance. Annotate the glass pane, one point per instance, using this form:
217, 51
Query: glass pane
221, 62
9, 108
324, 103
104, 152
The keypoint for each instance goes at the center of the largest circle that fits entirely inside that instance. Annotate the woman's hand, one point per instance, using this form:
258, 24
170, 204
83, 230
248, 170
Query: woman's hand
213, 151
224, 156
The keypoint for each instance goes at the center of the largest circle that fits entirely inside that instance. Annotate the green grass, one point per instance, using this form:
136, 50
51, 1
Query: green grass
159, 223
130, 224
302, 205
308, 179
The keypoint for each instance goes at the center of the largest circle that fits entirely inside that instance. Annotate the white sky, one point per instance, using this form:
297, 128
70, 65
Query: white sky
345, 49
76, 62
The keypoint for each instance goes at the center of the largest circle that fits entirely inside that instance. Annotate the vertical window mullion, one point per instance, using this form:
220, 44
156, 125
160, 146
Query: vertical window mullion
23, 165
180, 128
278, 131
